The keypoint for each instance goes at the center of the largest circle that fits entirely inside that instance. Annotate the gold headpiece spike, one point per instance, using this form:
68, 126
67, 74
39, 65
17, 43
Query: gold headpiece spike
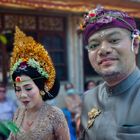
27, 49
18, 37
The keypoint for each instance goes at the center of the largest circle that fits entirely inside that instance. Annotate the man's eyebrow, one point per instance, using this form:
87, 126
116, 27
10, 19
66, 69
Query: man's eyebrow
110, 33
113, 33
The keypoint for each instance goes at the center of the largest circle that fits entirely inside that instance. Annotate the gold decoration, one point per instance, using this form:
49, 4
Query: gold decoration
92, 115
46, 88
42, 93
25, 47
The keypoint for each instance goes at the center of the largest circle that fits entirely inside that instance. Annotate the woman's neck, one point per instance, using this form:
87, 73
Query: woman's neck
34, 109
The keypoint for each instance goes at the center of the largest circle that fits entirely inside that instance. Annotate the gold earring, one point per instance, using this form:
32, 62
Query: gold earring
49, 94
46, 88
42, 93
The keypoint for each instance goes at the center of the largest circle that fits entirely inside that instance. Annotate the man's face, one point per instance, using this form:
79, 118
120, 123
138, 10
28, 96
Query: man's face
110, 52
2, 93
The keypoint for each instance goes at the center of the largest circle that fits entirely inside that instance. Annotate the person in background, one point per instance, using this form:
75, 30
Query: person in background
7, 107
90, 84
72, 109
35, 81
68, 86
111, 110
99, 82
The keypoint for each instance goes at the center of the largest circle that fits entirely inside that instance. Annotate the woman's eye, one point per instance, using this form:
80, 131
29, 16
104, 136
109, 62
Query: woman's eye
17, 90
28, 89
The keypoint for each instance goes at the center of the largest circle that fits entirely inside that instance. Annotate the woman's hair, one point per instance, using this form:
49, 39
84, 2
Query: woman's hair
38, 80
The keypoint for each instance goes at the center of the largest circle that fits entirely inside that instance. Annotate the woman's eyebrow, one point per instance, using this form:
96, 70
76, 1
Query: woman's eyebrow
26, 85
23, 85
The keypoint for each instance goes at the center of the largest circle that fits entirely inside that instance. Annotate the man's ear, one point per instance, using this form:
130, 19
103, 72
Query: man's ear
136, 45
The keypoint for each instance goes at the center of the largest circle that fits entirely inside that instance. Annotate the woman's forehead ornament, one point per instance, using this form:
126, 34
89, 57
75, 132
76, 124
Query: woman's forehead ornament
18, 79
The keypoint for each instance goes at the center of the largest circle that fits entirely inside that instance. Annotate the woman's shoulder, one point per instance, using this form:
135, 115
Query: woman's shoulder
56, 117
53, 110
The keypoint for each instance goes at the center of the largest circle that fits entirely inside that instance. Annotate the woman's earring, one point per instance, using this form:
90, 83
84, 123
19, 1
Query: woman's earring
42, 93
49, 94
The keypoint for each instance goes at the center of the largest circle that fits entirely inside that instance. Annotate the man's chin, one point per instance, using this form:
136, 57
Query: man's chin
108, 73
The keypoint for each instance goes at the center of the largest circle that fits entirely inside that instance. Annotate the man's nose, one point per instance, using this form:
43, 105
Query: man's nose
105, 48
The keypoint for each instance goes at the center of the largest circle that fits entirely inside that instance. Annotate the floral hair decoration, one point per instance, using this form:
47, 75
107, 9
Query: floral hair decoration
27, 52
23, 63
100, 18
100, 15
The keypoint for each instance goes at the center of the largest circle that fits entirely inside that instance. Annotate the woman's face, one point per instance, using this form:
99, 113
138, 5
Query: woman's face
27, 92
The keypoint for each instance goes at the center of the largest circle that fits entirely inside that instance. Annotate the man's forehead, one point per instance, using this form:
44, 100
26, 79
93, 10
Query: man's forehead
108, 32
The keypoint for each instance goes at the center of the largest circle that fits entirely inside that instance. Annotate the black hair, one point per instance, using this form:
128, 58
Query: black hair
38, 80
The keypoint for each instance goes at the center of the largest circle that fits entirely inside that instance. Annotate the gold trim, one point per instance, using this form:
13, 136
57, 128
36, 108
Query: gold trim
92, 114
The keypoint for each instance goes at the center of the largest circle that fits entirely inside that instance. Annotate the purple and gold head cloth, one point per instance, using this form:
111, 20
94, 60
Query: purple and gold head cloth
100, 18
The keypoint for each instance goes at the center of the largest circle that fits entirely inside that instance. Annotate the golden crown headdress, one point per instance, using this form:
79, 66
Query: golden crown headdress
26, 49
